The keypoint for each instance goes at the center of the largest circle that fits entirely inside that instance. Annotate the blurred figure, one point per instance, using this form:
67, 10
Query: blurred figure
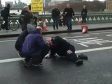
5, 13
42, 24
84, 14
25, 17
55, 17
68, 14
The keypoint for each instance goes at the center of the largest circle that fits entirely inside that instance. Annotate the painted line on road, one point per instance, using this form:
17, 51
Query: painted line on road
7, 41
78, 51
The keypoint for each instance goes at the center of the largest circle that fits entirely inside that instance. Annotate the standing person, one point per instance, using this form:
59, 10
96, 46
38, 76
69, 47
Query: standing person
25, 17
84, 14
55, 17
5, 13
68, 14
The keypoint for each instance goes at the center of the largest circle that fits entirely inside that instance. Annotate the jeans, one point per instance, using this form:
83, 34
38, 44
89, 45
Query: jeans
55, 22
69, 23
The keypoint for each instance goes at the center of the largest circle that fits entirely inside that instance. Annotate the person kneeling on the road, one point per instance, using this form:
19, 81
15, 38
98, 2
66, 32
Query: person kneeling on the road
33, 48
64, 49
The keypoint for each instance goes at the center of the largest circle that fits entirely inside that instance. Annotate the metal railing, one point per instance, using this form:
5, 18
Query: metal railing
92, 18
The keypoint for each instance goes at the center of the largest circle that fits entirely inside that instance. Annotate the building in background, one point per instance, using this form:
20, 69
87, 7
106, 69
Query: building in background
109, 5
9, 2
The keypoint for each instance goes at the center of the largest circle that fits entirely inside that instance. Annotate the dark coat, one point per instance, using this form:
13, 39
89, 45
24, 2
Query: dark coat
84, 13
68, 12
55, 13
20, 40
61, 46
33, 43
25, 17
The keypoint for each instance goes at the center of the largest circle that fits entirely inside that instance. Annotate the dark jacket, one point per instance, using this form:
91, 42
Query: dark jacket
61, 46
6, 12
20, 40
68, 12
33, 43
25, 17
84, 13
55, 13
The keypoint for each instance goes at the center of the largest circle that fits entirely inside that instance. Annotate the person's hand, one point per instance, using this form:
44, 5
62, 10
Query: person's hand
69, 51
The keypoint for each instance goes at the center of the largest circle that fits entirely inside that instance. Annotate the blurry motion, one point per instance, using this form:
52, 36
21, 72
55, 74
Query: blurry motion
5, 13
84, 28
62, 20
25, 17
35, 21
42, 24
31, 46
55, 17
68, 15
84, 14
64, 50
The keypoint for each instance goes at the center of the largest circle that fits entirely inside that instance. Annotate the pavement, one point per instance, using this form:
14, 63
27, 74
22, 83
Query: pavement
63, 29
97, 45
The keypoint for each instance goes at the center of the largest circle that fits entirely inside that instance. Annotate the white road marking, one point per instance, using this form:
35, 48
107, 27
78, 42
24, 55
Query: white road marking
78, 51
110, 35
7, 41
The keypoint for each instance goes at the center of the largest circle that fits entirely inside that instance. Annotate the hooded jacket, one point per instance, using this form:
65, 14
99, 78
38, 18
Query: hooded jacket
33, 43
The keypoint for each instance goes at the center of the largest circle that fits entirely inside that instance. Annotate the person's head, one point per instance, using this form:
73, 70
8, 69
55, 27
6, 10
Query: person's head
31, 28
29, 6
26, 8
48, 41
8, 6
68, 5
84, 6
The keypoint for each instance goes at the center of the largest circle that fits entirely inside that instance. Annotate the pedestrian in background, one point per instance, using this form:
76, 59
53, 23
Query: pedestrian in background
84, 14
55, 17
68, 14
25, 17
5, 13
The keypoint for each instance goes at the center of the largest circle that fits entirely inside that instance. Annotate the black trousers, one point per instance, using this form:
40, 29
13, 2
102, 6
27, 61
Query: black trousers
6, 23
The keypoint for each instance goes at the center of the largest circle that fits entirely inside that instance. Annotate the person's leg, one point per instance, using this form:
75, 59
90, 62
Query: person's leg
38, 56
54, 23
69, 23
6, 23
57, 22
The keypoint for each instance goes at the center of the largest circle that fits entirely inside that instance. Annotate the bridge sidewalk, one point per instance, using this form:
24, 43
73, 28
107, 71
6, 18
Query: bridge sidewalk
63, 29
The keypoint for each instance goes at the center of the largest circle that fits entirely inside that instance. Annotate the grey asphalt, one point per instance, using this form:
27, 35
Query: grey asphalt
63, 29
97, 70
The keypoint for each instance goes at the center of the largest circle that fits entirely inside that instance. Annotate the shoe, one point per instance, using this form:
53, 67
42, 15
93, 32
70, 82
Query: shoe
79, 62
82, 56
27, 64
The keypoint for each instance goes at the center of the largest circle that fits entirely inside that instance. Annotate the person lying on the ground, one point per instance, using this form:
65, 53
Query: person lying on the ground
33, 48
64, 49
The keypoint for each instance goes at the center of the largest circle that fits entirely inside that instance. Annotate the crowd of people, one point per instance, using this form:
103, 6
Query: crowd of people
59, 18
32, 46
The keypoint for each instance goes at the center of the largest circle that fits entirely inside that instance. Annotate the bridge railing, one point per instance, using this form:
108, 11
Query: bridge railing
92, 18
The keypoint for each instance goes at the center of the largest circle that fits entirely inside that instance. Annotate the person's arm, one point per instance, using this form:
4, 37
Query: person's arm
73, 12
